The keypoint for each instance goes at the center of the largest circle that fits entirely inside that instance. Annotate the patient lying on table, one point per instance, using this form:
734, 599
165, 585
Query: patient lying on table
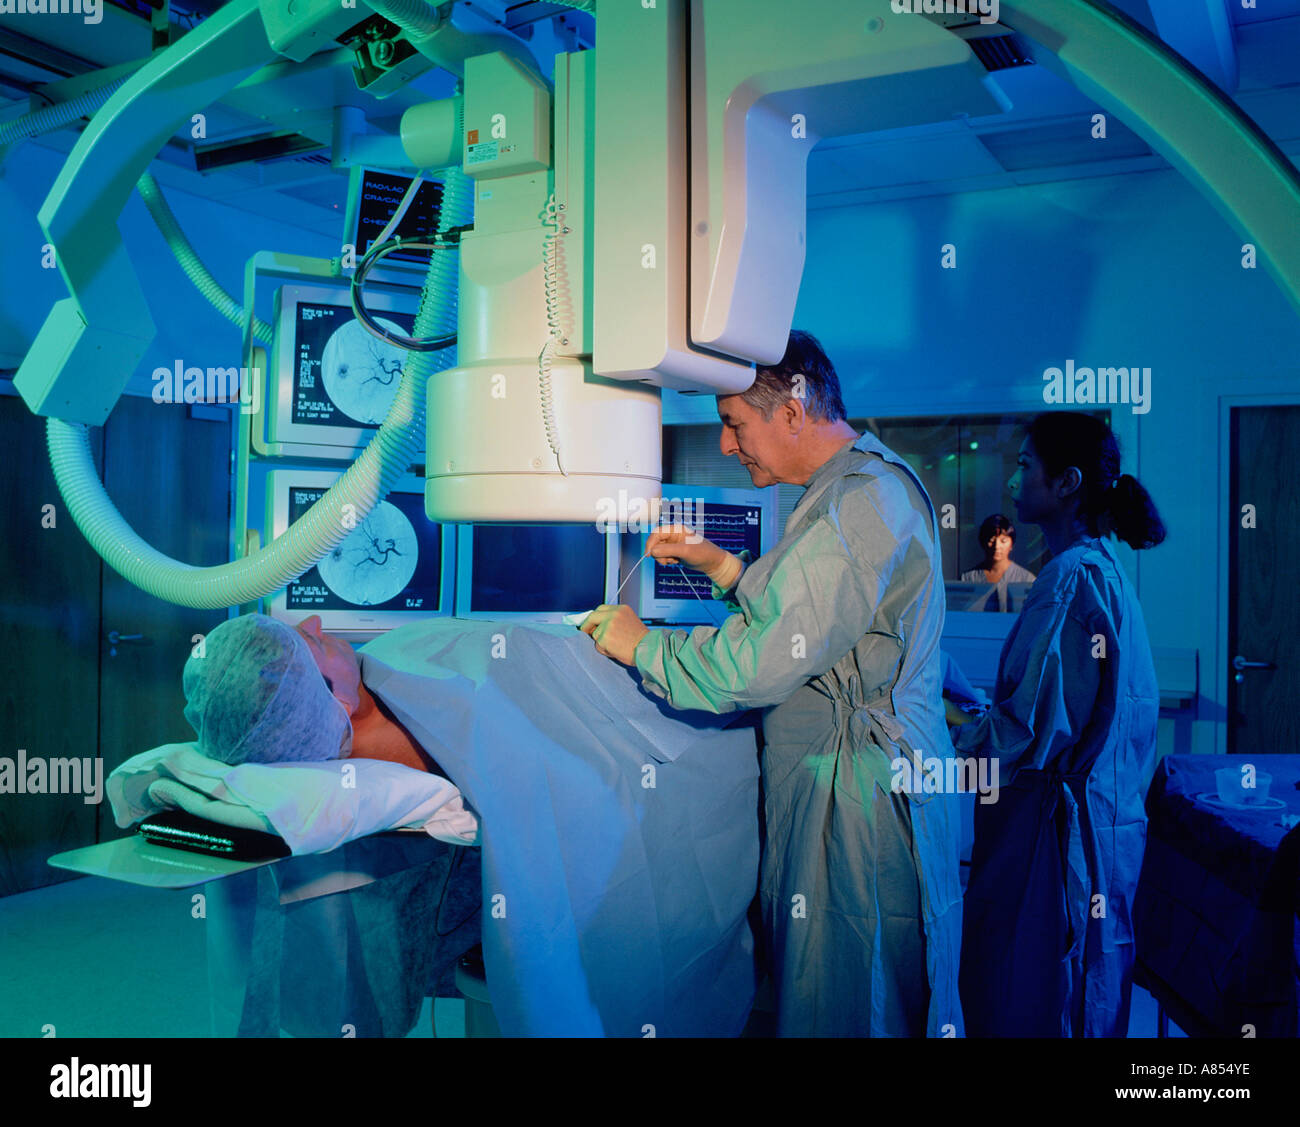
618, 839
266, 692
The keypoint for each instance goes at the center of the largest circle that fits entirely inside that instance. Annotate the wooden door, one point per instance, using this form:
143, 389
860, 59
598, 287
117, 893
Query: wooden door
65, 690
169, 476
49, 652
1263, 597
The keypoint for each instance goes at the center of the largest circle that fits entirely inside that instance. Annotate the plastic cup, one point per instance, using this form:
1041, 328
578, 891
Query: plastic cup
1263, 781
1228, 780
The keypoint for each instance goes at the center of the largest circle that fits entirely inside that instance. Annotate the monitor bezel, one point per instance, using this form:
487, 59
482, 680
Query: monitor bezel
465, 581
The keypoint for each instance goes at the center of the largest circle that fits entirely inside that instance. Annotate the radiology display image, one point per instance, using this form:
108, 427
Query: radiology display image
345, 376
384, 563
361, 372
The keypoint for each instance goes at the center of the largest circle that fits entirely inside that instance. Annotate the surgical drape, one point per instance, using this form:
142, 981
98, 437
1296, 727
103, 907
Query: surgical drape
619, 839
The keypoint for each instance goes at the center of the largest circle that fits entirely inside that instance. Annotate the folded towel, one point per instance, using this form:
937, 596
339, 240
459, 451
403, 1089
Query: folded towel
315, 807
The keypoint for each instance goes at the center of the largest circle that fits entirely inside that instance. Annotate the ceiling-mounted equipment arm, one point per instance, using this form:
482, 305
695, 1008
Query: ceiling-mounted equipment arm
91, 342
760, 104
748, 196
698, 260
704, 123
1179, 113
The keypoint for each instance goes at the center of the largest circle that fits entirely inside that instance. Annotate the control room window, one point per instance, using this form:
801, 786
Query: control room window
965, 462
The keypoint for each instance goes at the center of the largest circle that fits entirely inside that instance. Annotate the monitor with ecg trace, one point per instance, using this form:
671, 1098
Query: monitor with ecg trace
332, 381
394, 567
537, 573
734, 519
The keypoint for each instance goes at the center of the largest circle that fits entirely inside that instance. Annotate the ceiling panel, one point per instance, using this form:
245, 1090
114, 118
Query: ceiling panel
1045, 133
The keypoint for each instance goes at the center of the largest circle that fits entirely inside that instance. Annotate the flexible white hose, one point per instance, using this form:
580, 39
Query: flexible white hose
327, 523
57, 116
190, 262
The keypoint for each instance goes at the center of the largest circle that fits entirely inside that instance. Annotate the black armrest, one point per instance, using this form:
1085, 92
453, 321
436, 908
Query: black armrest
178, 829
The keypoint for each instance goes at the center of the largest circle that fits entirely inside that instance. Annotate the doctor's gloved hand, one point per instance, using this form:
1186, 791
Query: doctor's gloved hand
616, 630
679, 544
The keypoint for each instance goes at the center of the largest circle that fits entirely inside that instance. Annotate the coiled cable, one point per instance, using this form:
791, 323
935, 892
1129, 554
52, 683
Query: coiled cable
550, 275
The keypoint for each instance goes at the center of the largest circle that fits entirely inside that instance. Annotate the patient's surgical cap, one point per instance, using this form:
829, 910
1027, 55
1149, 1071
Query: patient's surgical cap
256, 696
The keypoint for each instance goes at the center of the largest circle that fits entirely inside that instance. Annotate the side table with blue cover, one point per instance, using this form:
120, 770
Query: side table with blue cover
1219, 900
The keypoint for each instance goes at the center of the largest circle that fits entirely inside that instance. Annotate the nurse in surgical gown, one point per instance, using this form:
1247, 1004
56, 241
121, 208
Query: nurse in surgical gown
1047, 946
838, 629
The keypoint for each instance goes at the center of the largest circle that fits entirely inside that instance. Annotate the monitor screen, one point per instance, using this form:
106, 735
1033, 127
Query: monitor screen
393, 567
334, 381
732, 528
734, 519
534, 571
344, 375
375, 196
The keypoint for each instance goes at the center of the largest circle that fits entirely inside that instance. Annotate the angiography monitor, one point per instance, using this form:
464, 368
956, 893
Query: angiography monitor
394, 567
535, 572
331, 382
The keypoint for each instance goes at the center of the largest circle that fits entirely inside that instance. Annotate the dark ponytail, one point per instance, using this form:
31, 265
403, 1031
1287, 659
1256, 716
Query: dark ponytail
1132, 513
1109, 500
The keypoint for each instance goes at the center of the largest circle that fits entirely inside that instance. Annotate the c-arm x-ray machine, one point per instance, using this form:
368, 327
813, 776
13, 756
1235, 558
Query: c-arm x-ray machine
638, 223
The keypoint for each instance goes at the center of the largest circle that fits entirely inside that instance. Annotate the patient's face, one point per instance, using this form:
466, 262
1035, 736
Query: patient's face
337, 661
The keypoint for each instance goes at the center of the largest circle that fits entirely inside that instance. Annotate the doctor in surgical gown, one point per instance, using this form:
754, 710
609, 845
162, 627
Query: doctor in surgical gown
837, 636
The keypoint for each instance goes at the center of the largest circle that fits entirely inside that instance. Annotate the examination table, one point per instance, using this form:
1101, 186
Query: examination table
345, 943
618, 841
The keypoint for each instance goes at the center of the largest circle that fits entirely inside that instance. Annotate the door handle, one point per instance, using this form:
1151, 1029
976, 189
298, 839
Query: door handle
1240, 664
116, 638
